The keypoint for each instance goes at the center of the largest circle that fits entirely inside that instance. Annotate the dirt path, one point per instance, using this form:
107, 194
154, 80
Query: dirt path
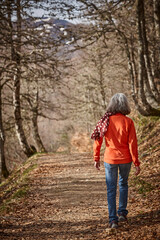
67, 200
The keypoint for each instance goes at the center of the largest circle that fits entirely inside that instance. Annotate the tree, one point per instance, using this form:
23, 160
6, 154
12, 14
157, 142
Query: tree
4, 66
15, 42
30, 49
119, 19
156, 34
93, 81
30, 59
3, 168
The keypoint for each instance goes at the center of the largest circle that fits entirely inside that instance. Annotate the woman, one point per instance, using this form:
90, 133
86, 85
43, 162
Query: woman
121, 150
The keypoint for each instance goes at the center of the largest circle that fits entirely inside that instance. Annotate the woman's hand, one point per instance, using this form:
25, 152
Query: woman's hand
97, 165
137, 170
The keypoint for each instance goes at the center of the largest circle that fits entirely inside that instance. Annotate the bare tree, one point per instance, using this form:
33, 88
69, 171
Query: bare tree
93, 81
121, 18
3, 168
15, 46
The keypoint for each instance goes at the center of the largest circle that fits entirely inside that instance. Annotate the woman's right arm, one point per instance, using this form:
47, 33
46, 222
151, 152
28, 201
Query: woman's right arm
96, 149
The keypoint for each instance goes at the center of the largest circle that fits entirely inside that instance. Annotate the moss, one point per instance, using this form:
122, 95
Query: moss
142, 186
7, 204
14, 175
17, 185
62, 153
146, 128
5, 207
154, 118
142, 121
29, 169
20, 193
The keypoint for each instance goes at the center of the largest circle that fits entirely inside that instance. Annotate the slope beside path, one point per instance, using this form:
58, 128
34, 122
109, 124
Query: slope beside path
68, 200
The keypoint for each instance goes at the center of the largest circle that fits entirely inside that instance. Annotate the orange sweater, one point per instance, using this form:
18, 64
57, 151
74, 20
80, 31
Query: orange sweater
120, 140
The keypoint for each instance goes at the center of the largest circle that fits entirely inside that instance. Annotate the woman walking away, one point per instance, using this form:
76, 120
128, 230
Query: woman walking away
121, 150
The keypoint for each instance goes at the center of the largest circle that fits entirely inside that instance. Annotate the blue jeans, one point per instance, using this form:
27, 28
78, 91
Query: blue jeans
111, 171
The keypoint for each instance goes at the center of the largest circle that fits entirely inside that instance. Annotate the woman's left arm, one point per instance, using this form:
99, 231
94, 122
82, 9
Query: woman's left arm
133, 147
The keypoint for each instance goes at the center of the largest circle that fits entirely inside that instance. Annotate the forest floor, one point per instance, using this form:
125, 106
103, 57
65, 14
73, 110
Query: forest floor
66, 198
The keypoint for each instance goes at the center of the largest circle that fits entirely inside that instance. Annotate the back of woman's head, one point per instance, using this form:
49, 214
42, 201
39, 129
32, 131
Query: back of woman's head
119, 104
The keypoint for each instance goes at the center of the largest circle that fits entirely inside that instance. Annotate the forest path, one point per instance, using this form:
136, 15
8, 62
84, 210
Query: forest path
67, 200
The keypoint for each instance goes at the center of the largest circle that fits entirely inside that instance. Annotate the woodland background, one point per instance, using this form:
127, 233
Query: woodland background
59, 70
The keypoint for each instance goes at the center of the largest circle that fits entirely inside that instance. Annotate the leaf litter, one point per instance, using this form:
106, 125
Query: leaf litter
67, 199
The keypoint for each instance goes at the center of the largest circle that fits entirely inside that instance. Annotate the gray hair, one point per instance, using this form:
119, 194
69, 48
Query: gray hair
119, 104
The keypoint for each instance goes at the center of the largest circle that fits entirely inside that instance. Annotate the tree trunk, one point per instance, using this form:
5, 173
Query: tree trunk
156, 56
15, 54
135, 84
156, 6
35, 132
142, 66
144, 40
101, 82
17, 115
132, 62
134, 78
3, 168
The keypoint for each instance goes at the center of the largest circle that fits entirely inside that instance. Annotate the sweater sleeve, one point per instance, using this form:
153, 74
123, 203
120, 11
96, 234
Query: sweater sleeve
133, 147
97, 148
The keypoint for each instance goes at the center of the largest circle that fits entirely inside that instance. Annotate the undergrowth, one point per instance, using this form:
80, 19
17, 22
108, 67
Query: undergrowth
148, 134
143, 187
16, 185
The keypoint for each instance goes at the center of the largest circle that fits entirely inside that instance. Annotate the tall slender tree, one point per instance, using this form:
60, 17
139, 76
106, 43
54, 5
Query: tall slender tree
15, 46
3, 168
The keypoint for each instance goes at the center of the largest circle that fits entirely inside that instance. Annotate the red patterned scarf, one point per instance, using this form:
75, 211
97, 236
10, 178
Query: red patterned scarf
101, 127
